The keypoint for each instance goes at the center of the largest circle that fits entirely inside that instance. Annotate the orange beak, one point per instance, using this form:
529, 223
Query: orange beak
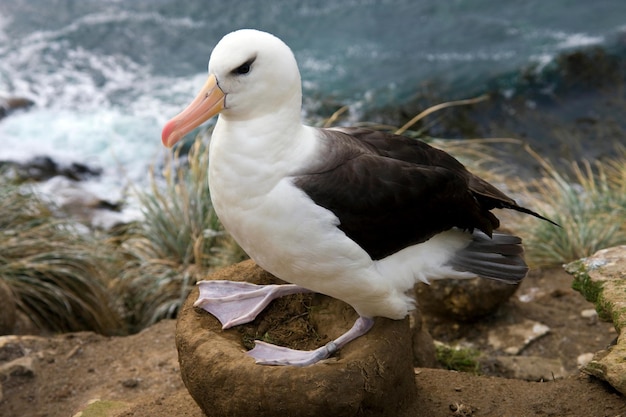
208, 103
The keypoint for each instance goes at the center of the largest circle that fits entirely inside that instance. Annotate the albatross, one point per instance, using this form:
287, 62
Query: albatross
356, 214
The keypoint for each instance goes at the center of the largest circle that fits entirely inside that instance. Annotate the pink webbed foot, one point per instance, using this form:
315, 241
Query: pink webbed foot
268, 354
234, 303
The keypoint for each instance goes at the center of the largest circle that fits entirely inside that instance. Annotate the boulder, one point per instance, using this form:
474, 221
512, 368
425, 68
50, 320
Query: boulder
601, 278
372, 375
71, 199
42, 168
9, 104
463, 299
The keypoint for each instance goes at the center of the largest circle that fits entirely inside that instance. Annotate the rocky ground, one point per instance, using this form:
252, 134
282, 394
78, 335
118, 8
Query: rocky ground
139, 375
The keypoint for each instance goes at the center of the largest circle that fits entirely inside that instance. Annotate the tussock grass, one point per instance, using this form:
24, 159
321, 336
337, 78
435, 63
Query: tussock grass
588, 201
65, 281
58, 277
179, 241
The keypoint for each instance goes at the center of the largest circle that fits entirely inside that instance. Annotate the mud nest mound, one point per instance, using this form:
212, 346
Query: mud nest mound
372, 375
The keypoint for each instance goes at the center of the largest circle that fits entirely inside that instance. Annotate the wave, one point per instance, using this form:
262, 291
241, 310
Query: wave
105, 76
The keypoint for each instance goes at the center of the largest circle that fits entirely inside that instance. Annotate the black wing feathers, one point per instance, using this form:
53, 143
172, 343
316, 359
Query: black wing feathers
390, 192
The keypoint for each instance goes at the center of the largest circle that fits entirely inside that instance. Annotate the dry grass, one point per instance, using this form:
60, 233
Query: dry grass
588, 201
179, 241
59, 277
66, 281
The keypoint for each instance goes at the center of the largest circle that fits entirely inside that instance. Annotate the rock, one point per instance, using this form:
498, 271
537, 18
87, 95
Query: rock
583, 359
372, 375
8, 309
9, 104
530, 368
463, 299
589, 313
131, 382
514, 338
72, 199
601, 278
63, 186
17, 371
41, 168
10, 348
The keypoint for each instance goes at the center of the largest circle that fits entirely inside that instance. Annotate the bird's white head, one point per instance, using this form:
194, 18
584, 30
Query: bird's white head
251, 74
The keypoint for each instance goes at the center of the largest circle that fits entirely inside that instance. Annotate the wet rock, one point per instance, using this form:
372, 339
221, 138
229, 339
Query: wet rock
530, 368
372, 375
41, 168
9, 104
69, 195
463, 299
601, 278
72, 199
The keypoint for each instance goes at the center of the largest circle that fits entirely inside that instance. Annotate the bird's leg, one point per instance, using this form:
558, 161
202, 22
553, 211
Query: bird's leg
236, 303
268, 354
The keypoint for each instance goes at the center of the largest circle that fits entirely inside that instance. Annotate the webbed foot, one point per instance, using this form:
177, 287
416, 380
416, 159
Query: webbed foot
234, 303
268, 354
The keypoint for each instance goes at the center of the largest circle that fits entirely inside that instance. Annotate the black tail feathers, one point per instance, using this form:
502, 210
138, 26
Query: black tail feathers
499, 257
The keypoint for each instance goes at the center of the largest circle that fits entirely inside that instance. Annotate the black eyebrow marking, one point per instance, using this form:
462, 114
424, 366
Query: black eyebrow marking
245, 67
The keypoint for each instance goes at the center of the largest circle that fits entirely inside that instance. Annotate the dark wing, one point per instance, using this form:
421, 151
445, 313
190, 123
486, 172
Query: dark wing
390, 192
418, 152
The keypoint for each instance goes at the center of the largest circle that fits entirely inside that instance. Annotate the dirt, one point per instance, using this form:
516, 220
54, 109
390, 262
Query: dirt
140, 376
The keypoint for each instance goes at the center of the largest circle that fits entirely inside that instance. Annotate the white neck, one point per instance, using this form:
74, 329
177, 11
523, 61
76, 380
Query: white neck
260, 151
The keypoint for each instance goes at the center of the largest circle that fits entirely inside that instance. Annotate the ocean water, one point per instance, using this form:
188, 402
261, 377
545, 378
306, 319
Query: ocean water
106, 74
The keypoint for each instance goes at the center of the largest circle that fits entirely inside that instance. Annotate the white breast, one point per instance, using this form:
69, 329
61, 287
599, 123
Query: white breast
275, 222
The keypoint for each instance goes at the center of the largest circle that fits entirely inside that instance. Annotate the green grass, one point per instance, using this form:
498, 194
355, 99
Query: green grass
458, 359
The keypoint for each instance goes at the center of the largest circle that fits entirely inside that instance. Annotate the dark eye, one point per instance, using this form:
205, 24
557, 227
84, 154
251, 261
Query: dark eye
244, 68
